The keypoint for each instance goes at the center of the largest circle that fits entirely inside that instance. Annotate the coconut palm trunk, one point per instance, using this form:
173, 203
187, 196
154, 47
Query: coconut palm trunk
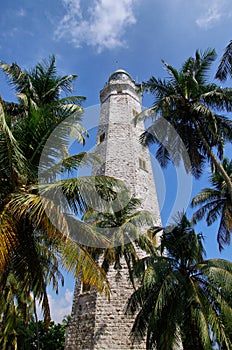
37, 325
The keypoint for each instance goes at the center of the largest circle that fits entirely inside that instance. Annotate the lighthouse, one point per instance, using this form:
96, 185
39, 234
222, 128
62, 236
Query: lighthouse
97, 323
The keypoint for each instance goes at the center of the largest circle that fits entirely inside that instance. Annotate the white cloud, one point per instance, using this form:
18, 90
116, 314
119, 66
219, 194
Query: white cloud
101, 24
21, 12
217, 10
60, 307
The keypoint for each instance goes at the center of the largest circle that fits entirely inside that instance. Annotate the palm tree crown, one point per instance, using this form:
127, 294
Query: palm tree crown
41, 85
126, 227
182, 297
191, 105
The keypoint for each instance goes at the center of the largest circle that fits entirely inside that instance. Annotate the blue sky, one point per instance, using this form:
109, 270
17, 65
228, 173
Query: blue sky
93, 38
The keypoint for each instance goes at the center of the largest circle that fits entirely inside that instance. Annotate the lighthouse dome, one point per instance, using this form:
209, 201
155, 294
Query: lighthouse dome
120, 74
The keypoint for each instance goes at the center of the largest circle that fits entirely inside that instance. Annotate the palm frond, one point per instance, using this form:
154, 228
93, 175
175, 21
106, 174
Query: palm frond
224, 68
216, 204
205, 196
12, 161
8, 239
172, 71
71, 253
203, 62
77, 259
225, 229
16, 75
69, 165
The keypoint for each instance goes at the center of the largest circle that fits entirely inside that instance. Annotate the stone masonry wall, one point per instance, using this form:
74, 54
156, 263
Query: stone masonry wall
96, 323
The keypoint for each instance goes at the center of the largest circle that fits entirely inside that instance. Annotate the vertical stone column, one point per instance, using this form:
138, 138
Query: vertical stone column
96, 323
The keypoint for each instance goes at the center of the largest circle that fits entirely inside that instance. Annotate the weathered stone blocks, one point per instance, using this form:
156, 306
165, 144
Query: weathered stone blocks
96, 323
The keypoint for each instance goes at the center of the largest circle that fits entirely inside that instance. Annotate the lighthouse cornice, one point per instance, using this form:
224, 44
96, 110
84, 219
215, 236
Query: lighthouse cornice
119, 87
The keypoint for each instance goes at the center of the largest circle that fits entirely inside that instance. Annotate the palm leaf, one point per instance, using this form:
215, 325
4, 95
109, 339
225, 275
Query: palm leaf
12, 161
224, 68
8, 240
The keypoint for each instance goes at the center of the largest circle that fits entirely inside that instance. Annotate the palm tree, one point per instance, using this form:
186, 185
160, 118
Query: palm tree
191, 107
22, 200
32, 249
216, 204
182, 300
225, 67
125, 227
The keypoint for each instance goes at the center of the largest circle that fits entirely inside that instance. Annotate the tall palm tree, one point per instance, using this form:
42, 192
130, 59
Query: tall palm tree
191, 105
216, 204
225, 67
182, 300
32, 249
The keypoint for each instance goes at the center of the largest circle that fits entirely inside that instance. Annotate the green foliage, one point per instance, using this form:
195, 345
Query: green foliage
215, 204
38, 336
32, 249
126, 227
194, 109
49, 338
225, 67
183, 299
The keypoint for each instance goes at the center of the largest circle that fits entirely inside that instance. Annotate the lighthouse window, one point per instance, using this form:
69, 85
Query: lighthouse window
119, 91
102, 137
85, 288
142, 164
135, 113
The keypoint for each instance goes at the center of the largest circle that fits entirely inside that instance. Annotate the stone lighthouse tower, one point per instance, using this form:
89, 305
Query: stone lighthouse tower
97, 323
